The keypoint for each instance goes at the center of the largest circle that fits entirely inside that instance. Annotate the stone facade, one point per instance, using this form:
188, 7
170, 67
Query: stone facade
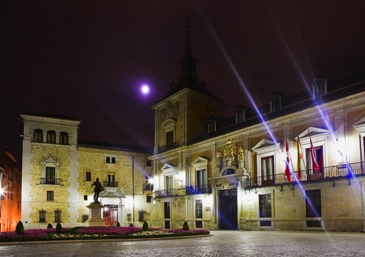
59, 171
242, 172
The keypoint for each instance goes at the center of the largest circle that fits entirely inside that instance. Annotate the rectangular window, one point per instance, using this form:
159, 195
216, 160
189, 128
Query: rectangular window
149, 163
50, 196
267, 170
50, 175
198, 224
107, 159
141, 216
88, 176
313, 203
42, 216
149, 199
265, 206
169, 139
110, 179
169, 185
201, 181
57, 216
198, 209
166, 209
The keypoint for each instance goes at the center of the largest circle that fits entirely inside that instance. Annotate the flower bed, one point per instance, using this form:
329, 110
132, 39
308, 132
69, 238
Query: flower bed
96, 233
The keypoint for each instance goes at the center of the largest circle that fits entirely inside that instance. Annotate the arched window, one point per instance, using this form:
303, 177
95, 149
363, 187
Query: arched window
63, 138
38, 135
51, 137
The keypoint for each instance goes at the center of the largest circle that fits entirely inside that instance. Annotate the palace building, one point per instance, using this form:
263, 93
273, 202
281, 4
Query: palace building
296, 163
59, 171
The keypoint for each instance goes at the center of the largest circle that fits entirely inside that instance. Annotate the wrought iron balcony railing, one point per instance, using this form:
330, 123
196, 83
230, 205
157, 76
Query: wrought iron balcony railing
201, 189
110, 184
346, 171
50, 181
167, 147
166, 193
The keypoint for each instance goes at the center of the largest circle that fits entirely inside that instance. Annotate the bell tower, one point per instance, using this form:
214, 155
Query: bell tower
182, 115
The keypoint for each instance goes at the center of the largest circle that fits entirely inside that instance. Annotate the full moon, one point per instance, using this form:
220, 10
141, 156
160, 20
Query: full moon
145, 89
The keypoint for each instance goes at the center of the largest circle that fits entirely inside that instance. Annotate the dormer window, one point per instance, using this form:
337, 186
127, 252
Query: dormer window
319, 86
240, 116
275, 103
212, 126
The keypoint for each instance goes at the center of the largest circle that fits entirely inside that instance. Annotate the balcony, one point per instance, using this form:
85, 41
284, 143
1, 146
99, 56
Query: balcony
168, 147
201, 189
166, 193
48, 181
330, 173
110, 184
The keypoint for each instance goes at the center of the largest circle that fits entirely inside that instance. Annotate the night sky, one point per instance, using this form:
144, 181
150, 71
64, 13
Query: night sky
88, 59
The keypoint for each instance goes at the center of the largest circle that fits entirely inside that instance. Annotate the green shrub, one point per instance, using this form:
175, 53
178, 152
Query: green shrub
118, 224
49, 225
19, 229
145, 226
131, 225
58, 228
185, 226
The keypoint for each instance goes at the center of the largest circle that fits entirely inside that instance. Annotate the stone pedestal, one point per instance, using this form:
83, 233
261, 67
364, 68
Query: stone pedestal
95, 219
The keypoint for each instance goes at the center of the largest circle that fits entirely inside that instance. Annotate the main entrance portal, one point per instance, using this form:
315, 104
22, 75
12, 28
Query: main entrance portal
228, 209
110, 214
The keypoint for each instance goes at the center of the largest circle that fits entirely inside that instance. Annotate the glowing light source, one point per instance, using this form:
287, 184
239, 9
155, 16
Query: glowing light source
145, 89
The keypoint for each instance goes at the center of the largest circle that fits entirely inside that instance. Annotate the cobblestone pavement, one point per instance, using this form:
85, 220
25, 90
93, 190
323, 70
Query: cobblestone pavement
222, 243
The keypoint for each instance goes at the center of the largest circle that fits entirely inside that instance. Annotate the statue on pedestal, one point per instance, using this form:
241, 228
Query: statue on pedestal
97, 189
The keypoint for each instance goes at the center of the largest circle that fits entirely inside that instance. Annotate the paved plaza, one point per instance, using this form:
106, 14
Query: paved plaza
220, 243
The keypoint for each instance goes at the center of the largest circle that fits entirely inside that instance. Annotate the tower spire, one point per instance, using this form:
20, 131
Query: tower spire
188, 61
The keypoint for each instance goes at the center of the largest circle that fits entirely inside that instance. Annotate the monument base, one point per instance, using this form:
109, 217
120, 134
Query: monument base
95, 219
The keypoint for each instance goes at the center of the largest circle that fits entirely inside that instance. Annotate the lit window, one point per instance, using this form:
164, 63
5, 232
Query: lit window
265, 206
198, 209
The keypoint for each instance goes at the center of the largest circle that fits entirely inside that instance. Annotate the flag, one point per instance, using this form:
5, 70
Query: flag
300, 158
287, 167
315, 165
